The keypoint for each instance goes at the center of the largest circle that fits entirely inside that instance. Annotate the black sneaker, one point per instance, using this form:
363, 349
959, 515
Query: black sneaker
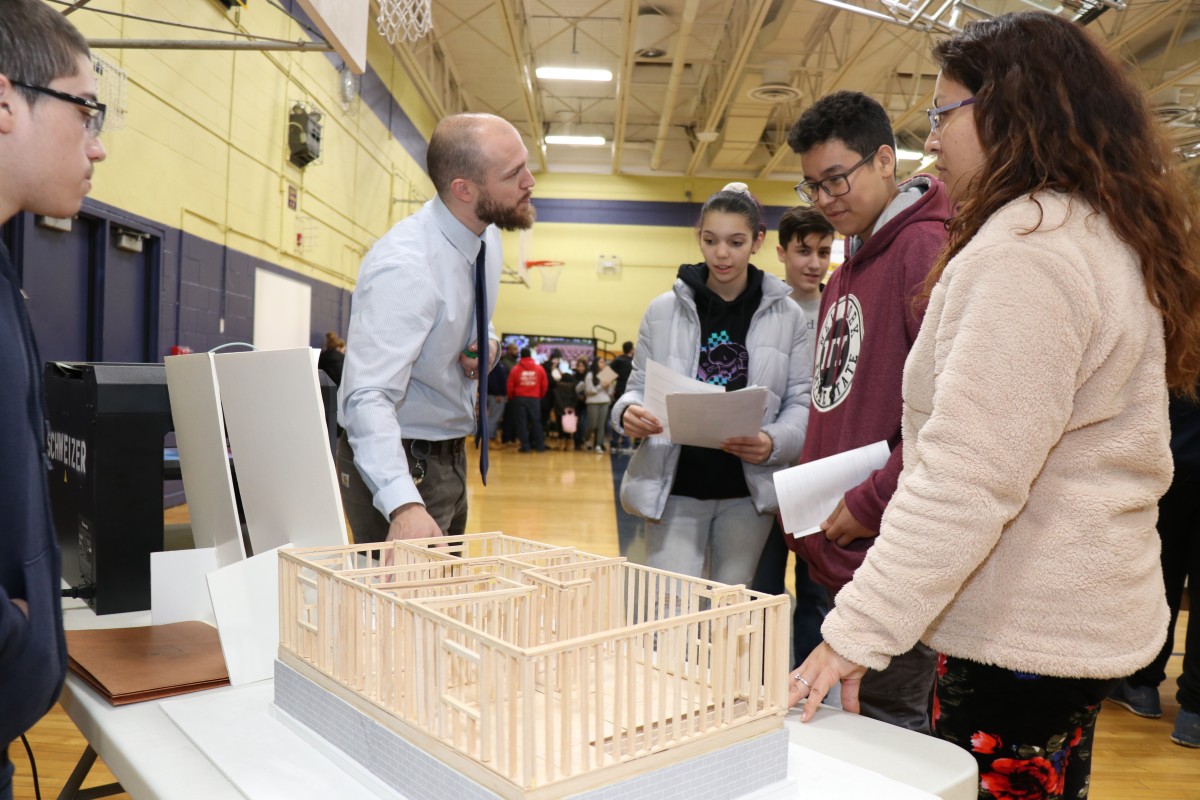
1141, 700
1187, 729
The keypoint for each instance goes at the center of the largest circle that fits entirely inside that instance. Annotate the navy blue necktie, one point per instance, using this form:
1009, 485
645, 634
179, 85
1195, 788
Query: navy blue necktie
483, 347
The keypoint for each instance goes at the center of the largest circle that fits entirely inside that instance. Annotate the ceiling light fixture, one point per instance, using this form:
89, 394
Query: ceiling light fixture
652, 37
909, 155
576, 141
572, 74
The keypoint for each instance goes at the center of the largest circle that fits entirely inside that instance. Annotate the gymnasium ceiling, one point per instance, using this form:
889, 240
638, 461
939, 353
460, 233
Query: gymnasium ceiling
734, 74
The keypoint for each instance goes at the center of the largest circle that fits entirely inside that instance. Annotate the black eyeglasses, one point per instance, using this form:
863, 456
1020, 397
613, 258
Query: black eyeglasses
935, 114
93, 121
834, 185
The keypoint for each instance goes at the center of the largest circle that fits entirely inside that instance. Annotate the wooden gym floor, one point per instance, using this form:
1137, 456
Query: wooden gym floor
568, 498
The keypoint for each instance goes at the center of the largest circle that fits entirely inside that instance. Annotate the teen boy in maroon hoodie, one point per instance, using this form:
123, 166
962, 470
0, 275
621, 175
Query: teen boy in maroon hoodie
869, 318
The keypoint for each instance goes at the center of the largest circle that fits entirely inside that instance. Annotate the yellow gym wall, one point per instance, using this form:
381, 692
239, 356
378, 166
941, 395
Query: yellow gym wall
204, 149
650, 255
204, 142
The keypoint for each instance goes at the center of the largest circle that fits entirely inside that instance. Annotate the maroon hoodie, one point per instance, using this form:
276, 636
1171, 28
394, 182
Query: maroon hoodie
866, 326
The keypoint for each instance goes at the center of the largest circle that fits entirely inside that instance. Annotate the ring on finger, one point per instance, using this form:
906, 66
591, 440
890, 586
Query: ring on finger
800, 678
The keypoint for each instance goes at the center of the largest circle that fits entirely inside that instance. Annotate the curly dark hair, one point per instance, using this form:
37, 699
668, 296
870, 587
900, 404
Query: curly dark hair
857, 120
1055, 112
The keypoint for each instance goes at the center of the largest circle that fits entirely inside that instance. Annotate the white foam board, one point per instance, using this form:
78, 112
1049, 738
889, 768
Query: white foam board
263, 756
280, 445
178, 586
245, 601
203, 457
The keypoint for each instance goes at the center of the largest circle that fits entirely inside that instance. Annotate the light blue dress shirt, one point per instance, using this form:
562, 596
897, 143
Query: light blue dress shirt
412, 314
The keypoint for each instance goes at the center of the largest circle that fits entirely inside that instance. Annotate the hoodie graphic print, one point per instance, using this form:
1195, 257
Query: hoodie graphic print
723, 361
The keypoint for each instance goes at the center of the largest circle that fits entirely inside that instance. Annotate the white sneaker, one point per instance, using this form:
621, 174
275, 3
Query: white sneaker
599, 449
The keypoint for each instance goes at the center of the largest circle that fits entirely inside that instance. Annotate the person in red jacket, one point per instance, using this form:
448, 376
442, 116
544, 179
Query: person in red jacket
527, 384
867, 323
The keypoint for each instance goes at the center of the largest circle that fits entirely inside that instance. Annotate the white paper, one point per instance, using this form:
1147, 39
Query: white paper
661, 381
706, 420
178, 589
245, 599
809, 493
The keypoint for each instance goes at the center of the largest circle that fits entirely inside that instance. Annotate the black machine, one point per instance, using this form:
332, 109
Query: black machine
106, 423
105, 429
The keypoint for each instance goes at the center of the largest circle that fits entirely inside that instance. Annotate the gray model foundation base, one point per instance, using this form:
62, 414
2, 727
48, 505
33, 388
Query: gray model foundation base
721, 774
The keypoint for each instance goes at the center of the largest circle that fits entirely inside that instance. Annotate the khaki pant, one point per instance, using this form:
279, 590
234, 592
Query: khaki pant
443, 490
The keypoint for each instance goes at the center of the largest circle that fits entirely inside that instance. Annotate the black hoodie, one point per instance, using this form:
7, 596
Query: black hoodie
33, 653
703, 472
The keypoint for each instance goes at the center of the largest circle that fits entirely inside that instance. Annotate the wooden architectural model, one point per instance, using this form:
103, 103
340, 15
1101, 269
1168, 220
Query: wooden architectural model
539, 671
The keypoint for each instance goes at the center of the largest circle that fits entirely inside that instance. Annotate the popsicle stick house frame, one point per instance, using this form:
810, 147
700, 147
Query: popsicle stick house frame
536, 670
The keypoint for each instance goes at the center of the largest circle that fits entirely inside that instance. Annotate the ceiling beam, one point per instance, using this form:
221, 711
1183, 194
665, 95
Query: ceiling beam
1164, 62
733, 76
826, 87
1175, 79
1146, 22
624, 82
515, 32
681, 38
207, 44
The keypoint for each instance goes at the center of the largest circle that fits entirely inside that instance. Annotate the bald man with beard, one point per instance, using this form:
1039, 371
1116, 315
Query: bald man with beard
410, 380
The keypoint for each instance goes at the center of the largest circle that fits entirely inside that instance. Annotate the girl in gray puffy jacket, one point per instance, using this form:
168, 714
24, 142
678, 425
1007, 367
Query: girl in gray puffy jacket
728, 323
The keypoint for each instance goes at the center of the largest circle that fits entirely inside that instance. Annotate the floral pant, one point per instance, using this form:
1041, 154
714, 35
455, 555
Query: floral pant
1030, 734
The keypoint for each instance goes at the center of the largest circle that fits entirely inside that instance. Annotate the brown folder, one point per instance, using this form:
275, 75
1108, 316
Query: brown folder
128, 665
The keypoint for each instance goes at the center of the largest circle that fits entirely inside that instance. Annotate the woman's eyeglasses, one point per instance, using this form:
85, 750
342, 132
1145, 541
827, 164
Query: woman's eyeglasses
935, 114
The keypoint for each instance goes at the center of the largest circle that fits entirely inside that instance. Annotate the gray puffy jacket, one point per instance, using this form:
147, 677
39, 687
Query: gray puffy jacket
780, 359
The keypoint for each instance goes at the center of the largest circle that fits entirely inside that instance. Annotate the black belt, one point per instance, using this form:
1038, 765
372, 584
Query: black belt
446, 447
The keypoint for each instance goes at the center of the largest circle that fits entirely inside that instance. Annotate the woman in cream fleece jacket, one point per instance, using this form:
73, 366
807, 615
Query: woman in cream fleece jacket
1020, 543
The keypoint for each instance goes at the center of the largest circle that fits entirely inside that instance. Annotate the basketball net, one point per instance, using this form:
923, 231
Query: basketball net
410, 19
111, 89
549, 272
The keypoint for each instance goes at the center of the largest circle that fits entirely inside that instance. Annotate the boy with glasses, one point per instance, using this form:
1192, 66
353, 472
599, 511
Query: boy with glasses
869, 317
49, 120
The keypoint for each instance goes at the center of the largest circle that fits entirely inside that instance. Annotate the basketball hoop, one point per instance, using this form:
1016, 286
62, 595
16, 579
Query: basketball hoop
111, 83
549, 270
410, 19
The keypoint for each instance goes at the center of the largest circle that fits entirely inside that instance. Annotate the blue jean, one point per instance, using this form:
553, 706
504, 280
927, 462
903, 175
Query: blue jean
690, 529
495, 412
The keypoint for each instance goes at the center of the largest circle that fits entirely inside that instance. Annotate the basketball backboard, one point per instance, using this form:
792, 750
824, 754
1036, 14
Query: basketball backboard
344, 24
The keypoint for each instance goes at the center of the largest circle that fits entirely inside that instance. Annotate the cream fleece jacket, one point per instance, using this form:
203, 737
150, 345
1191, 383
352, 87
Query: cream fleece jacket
1021, 533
